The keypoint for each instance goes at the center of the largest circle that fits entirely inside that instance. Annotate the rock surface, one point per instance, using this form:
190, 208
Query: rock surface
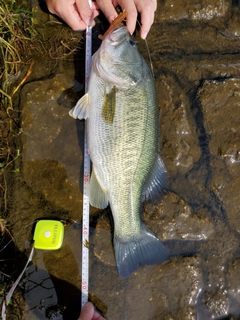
194, 47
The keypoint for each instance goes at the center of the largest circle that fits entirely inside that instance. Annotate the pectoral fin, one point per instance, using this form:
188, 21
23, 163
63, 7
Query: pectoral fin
98, 198
156, 185
109, 104
81, 110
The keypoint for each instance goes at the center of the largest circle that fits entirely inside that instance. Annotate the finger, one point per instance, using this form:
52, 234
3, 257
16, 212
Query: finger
97, 316
68, 12
108, 9
154, 4
71, 16
115, 3
147, 17
87, 312
85, 11
131, 10
51, 6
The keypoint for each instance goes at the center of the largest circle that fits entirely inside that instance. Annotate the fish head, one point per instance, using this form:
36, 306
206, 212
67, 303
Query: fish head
118, 60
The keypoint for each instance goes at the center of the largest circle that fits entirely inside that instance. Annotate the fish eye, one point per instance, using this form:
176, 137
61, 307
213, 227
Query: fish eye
132, 43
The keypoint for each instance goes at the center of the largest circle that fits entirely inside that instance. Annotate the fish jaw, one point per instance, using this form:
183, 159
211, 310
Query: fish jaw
104, 58
114, 60
117, 35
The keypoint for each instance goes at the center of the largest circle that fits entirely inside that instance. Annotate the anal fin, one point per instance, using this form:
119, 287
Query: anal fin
98, 198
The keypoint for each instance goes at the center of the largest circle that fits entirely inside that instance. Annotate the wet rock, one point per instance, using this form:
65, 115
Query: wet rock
49, 178
63, 281
174, 219
39, 291
213, 300
207, 20
103, 246
54, 312
216, 304
233, 292
51, 159
178, 134
192, 69
229, 195
233, 27
173, 10
152, 292
220, 104
185, 276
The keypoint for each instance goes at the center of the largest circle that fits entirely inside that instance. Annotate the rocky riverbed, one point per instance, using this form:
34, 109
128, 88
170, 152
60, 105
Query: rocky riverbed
195, 51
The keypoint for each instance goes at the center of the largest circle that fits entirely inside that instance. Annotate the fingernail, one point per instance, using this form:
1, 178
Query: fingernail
143, 35
91, 22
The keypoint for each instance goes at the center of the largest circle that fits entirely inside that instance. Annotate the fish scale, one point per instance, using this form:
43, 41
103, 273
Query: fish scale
122, 125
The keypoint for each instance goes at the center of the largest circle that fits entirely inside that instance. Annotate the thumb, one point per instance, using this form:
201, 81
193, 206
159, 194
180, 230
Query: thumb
87, 312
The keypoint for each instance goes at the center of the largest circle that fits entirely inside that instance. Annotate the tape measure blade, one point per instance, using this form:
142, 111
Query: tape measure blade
86, 181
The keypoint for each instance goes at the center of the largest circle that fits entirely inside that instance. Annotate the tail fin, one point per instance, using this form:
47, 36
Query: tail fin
143, 249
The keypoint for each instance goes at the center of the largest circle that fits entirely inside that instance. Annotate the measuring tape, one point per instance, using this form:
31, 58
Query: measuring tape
86, 180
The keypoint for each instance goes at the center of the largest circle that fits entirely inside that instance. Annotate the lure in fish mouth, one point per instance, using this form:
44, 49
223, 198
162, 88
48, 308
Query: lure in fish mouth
122, 117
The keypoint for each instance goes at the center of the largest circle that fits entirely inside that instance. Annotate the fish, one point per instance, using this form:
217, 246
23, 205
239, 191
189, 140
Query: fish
122, 119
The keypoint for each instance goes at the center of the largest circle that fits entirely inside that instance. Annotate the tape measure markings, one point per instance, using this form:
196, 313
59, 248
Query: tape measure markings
86, 181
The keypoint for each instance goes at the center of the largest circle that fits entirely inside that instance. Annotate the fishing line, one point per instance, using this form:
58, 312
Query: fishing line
149, 56
148, 51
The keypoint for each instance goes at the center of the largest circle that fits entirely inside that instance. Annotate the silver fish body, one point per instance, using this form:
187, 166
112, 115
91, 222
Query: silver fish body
122, 132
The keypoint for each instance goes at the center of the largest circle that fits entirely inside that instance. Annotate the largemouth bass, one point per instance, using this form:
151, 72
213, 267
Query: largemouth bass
122, 133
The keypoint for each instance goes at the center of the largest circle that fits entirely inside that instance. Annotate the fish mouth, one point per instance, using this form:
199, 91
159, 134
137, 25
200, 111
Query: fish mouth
118, 35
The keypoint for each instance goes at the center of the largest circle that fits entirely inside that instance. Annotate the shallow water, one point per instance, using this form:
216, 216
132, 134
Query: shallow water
194, 49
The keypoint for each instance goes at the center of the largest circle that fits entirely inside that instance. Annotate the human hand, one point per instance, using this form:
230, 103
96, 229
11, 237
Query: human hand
146, 8
88, 313
78, 14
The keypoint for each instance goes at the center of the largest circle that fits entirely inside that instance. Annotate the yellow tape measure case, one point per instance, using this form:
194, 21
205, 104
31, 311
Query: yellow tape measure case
48, 235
